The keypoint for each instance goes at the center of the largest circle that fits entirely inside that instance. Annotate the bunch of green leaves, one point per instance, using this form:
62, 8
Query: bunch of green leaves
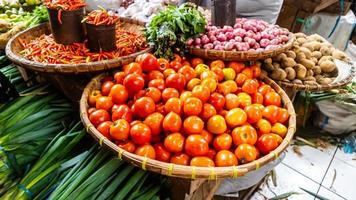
169, 30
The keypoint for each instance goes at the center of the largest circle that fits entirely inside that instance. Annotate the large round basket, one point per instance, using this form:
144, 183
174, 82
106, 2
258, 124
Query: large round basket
189, 172
241, 55
14, 48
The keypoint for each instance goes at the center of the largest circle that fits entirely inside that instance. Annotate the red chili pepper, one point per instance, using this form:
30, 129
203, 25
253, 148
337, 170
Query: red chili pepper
60, 16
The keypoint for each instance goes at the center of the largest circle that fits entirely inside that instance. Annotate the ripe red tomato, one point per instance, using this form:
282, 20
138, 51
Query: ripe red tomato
254, 113
157, 83
268, 142
162, 154
197, 61
257, 98
146, 151
172, 122
91, 110
121, 112
173, 105
219, 73
120, 130
217, 63
106, 87
176, 65
174, 142
176, 81
211, 154
192, 106
208, 111
154, 93
94, 95
134, 83
227, 87
201, 92
207, 136
127, 146
246, 153
163, 63
140, 134
155, 75
185, 95
256, 70
104, 129
250, 86
119, 77
225, 158
160, 108
231, 101
188, 72
222, 142
168, 72
169, 93
132, 68
217, 100
202, 161
216, 124
139, 94
149, 62
271, 113
264, 89
193, 125
283, 115
180, 159
99, 116
143, 107
237, 66
196, 145
240, 79
272, 98
104, 102
244, 135
248, 72
119, 94
154, 121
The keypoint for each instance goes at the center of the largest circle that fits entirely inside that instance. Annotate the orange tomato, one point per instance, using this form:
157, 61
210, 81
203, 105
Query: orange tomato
127, 146
237, 66
227, 87
104, 103
272, 98
193, 125
217, 100
248, 72
264, 89
279, 129
172, 122
196, 145
208, 74
154, 93
163, 63
196, 61
231, 101
222, 142
154, 121
208, 111
256, 70
168, 72
140, 134
263, 126
192, 106
169, 93
254, 113
225, 158
250, 86
257, 98
235, 117
104, 129
146, 151
180, 159
188, 73
106, 87
177, 58
271, 113
283, 115
268, 142
155, 74
133, 68
202, 161
240, 79
119, 77
174, 142
210, 83
120, 130
201, 92
119, 94
207, 136
219, 73
216, 124
162, 154
246, 153
173, 105
94, 95
185, 95
244, 99
245, 134
192, 83
217, 63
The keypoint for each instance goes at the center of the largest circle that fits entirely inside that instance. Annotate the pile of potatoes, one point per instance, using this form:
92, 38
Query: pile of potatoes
310, 61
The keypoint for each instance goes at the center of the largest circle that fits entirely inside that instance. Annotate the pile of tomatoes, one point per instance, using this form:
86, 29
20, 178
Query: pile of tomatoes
190, 113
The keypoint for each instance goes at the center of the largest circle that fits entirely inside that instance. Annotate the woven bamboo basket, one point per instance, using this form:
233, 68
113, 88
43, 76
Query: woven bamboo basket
241, 55
189, 172
14, 48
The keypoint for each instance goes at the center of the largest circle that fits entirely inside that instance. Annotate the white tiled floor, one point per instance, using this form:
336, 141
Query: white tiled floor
314, 170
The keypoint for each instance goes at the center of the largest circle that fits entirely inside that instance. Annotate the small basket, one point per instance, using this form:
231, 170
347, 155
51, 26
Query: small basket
241, 55
101, 37
181, 171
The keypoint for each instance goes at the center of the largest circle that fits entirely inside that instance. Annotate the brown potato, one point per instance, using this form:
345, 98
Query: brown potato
278, 74
317, 70
301, 71
324, 58
280, 57
317, 54
288, 62
327, 66
307, 63
291, 54
325, 50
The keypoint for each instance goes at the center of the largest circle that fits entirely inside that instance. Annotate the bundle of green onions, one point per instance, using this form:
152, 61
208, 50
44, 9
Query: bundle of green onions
27, 126
53, 165
14, 76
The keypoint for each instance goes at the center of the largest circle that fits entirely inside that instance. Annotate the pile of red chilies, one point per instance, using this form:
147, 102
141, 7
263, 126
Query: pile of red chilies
100, 17
64, 4
44, 49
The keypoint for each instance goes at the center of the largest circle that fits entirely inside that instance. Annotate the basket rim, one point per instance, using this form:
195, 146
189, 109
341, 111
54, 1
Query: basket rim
181, 171
325, 87
69, 68
237, 55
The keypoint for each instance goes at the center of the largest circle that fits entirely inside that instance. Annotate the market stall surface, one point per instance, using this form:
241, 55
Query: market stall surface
326, 171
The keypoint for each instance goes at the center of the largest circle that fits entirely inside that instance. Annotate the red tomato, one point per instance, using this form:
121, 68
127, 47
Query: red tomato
237, 66
169, 93
132, 68
257, 98
172, 122
157, 83
127, 146
283, 115
149, 62
120, 130
180, 159
222, 142
185, 95
192, 106
173, 105
143, 107
176, 81
146, 151
208, 111
202, 161
107, 78
272, 98
168, 72
248, 72
250, 86
225, 158
91, 110
174, 142
155, 75
268, 142
271, 113
256, 70
264, 89
154, 121
227, 87
244, 135
104, 129
140, 134
193, 125
231, 101
106, 87
94, 95
119, 77
160, 108
119, 94
188, 72
254, 114
104, 103
175, 65
196, 145
217, 63
134, 83
154, 93
240, 79
217, 100
162, 154
164, 64
139, 94
99, 116
246, 153
196, 61
201, 92
121, 112
218, 73
211, 154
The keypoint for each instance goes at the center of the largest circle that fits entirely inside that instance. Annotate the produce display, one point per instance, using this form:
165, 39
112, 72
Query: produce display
64, 5
169, 30
9, 5
189, 113
44, 49
101, 17
245, 35
310, 62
